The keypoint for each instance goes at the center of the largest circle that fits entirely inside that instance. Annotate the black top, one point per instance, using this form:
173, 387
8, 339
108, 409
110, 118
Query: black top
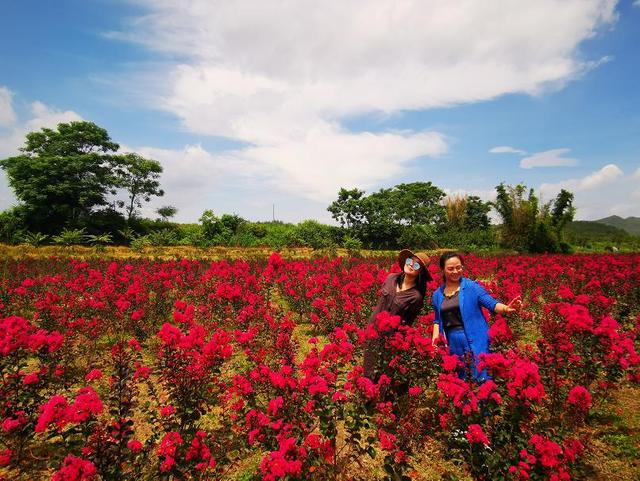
450, 312
406, 304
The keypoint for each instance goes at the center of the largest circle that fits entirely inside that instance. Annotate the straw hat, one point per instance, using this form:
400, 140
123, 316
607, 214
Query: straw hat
421, 257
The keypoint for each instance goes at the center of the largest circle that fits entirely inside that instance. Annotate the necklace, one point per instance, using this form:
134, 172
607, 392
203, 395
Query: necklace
450, 295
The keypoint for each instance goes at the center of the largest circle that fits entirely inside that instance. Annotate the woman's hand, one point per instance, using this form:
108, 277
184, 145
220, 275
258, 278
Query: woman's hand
514, 305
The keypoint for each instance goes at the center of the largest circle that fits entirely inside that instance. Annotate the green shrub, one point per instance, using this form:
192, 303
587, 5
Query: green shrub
12, 225
311, 233
34, 239
417, 237
69, 237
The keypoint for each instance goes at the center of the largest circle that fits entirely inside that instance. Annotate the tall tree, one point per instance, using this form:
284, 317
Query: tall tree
139, 177
418, 203
62, 174
527, 225
382, 218
347, 209
519, 214
476, 213
562, 212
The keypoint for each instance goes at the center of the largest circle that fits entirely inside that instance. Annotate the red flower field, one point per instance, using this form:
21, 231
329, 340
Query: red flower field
244, 370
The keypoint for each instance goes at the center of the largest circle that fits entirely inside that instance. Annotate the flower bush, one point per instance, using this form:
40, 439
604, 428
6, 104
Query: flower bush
253, 370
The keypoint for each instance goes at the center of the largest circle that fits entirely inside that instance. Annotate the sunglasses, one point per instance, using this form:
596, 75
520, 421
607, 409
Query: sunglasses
413, 263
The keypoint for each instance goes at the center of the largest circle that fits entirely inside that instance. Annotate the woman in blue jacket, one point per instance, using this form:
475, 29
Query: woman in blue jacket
458, 306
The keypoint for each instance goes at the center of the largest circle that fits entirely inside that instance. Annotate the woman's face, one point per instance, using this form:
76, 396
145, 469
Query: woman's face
452, 269
409, 270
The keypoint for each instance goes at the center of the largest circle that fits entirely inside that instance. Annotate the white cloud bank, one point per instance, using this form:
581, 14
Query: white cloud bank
283, 76
548, 158
602, 193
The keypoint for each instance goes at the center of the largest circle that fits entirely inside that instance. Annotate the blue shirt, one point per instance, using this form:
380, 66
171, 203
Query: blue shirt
472, 298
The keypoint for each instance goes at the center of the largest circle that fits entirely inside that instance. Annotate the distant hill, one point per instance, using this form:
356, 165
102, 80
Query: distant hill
581, 231
630, 224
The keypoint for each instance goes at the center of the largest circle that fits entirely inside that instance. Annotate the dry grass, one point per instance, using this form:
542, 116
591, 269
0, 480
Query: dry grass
614, 453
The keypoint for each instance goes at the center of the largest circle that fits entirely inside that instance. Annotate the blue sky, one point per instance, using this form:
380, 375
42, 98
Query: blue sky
253, 103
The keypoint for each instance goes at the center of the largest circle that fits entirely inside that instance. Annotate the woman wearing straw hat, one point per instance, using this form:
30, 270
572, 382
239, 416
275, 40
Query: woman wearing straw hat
402, 294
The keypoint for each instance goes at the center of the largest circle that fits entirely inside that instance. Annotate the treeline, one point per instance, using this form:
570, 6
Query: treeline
420, 214
75, 187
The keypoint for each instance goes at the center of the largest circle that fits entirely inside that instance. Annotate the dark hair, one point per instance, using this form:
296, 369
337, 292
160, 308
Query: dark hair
445, 257
421, 282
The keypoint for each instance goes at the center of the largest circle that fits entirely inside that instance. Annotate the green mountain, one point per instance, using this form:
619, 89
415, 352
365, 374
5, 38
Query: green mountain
581, 231
630, 224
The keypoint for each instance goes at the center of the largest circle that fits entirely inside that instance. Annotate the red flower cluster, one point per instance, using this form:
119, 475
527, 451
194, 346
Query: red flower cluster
59, 412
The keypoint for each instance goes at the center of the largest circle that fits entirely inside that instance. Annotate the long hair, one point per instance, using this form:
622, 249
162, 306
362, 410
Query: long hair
421, 281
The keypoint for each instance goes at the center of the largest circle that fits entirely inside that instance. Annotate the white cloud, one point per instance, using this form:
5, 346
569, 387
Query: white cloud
189, 175
505, 149
12, 139
602, 193
41, 116
322, 160
548, 158
636, 174
7, 115
282, 76
636, 3
606, 175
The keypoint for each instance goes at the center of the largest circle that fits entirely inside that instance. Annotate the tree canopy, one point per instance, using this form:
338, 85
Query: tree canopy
529, 226
63, 175
385, 218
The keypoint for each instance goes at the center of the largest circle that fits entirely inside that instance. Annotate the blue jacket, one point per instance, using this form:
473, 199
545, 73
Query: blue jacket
472, 298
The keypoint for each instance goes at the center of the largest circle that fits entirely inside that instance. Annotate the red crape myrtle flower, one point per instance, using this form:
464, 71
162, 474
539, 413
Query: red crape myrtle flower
75, 469
476, 435
580, 398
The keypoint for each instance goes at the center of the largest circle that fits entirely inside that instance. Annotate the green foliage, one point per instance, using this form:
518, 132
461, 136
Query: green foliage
594, 236
139, 243
69, 237
468, 225
166, 212
64, 175
128, 234
352, 244
472, 240
163, 237
192, 235
528, 226
106, 221
476, 214
34, 239
543, 240
626, 446
220, 230
139, 177
419, 236
385, 218
311, 233
13, 225
348, 209
99, 241
631, 224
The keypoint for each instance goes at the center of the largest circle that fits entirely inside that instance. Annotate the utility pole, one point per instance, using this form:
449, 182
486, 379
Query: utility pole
274, 212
